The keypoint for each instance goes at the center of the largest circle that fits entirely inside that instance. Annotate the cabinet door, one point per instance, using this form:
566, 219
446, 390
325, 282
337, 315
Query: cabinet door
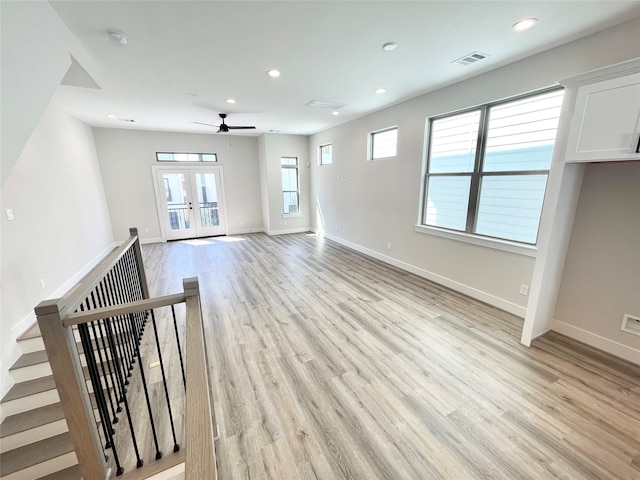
606, 121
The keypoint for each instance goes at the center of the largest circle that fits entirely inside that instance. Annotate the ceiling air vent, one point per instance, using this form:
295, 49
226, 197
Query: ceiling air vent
470, 58
324, 104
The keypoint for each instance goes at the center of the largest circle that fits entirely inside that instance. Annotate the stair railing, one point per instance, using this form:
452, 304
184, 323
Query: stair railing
109, 311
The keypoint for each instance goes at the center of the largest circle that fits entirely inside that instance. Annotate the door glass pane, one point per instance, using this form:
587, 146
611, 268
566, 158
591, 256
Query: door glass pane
207, 199
177, 201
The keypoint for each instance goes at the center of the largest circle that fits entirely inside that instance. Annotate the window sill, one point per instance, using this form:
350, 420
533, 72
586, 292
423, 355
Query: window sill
503, 245
291, 215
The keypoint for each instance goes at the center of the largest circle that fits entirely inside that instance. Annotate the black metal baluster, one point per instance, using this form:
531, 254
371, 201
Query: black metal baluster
125, 334
175, 325
113, 347
103, 377
118, 387
85, 338
120, 349
176, 447
146, 396
127, 337
100, 366
112, 391
137, 287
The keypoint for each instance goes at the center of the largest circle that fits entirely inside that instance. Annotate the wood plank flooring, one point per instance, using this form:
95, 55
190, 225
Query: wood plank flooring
330, 365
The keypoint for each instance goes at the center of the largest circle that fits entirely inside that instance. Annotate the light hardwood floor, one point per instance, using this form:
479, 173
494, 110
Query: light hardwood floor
330, 365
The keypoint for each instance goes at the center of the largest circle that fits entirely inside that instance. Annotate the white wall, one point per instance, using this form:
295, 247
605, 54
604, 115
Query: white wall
601, 278
367, 205
126, 158
272, 149
61, 223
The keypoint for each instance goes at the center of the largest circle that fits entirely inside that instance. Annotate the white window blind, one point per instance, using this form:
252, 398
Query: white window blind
487, 168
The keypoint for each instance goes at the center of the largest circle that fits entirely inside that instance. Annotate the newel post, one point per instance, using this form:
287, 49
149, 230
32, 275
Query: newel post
138, 253
67, 372
200, 459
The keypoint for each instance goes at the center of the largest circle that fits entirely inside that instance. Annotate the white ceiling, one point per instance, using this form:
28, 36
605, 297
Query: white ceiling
184, 58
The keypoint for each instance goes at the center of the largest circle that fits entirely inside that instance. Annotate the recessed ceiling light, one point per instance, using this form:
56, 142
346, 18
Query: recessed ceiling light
230, 100
387, 47
273, 73
111, 115
335, 113
119, 37
524, 24
380, 91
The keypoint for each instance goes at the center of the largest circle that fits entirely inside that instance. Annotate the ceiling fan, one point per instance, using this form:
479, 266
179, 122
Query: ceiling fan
223, 127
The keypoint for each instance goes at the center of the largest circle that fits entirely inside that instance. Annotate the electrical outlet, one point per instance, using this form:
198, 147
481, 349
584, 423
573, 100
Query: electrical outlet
42, 283
630, 324
389, 246
146, 229
524, 289
9, 213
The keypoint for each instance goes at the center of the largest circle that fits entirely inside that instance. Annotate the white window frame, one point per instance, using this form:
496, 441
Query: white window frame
468, 236
371, 143
297, 192
199, 157
320, 147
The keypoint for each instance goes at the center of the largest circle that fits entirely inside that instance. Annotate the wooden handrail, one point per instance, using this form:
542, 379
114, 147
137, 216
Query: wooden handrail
123, 309
199, 428
77, 294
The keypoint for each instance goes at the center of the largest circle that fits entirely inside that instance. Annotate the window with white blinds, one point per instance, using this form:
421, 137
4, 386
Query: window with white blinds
487, 168
383, 143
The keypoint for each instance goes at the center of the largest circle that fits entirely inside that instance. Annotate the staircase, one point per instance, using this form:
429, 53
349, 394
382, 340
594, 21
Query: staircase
34, 439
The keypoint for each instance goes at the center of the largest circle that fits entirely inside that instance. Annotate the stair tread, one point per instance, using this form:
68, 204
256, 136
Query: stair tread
30, 387
33, 332
71, 473
31, 358
31, 419
34, 453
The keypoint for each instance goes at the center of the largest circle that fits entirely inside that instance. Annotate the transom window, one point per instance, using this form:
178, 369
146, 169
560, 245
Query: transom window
325, 154
290, 186
487, 168
186, 157
383, 143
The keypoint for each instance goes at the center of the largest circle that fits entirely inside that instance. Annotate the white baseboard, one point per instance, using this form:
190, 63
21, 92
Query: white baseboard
434, 277
12, 351
145, 241
601, 343
242, 231
289, 230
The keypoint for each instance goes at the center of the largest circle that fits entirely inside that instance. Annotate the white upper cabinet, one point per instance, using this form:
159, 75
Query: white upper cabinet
605, 125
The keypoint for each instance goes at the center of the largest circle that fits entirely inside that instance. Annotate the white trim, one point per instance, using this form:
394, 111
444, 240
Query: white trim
601, 343
434, 277
291, 215
146, 241
494, 243
243, 231
287, 231
621, 69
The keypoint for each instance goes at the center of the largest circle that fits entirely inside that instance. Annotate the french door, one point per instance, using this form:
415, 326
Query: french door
190, 202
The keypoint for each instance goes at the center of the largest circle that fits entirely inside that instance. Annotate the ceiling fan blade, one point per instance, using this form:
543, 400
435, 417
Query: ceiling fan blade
240, 128
205, 124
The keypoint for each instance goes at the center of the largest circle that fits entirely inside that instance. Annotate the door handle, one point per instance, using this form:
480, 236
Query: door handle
190, 206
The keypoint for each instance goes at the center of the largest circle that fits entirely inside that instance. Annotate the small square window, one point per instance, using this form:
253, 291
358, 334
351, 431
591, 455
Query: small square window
383, 143
325, 154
